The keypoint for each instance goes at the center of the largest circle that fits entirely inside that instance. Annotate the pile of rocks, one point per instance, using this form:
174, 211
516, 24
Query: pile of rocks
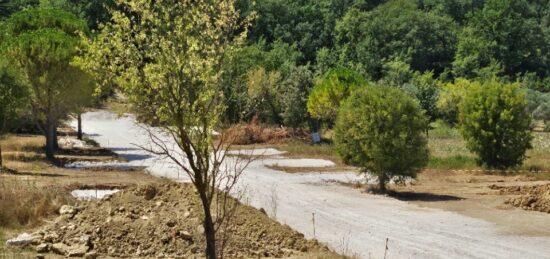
46, 242
160, 221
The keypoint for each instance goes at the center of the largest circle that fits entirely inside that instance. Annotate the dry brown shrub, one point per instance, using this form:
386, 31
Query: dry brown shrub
254, 133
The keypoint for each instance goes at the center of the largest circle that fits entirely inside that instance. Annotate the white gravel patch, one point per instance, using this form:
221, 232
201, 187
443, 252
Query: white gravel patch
69, 142
101, 165
257, 152
298, 162
92, 194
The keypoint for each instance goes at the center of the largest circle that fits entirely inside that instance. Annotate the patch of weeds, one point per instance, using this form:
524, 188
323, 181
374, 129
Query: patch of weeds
452, 162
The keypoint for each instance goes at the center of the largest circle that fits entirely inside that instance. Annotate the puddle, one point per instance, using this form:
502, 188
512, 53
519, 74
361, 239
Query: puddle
92, 194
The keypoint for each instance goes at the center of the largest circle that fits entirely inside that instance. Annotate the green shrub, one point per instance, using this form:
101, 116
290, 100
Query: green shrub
381, 130
294, 96
450, 97
330, 91
495, 124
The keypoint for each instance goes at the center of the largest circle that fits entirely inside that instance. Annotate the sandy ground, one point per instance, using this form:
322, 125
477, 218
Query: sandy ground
344, 218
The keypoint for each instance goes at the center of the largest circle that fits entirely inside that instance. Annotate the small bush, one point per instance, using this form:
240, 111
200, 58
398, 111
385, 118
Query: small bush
382, 130
495, 124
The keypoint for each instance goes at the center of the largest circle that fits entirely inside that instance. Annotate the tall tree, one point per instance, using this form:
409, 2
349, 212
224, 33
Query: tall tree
167, 57
41, 43
504, 33
396, 30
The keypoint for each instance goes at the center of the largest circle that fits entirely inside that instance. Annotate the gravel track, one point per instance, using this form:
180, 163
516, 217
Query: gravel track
346, 220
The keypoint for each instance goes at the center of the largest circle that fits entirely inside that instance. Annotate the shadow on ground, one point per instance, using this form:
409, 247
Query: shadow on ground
423, 196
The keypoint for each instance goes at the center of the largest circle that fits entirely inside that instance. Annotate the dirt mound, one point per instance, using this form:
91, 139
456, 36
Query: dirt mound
247, 134
163, 220
529, 197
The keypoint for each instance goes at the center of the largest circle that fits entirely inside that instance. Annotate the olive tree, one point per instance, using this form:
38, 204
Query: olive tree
494, 121
166, 57
380, 130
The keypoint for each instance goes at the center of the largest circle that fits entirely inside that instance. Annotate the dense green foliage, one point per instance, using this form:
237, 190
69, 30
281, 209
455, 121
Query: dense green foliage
93, 12
295, 93
12, 99
507, 33
381, 130
398, 42
397, 30
494, 123
329, 92
40, 44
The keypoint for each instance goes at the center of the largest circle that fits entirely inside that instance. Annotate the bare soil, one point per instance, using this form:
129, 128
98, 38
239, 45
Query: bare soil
489, 197
535, 198
163, 220
166, 225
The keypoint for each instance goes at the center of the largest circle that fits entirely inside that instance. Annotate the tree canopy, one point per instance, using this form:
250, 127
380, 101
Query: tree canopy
41, 44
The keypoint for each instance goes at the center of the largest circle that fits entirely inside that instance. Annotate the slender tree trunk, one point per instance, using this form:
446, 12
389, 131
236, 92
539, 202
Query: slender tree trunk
50, 140
209, 231
79, 119
1, 160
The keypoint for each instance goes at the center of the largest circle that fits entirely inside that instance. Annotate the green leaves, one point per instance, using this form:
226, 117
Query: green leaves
504, 32
167, 58
328, 93
34, 19
495, 124
396, 30
41, 45
13, 96
381, 130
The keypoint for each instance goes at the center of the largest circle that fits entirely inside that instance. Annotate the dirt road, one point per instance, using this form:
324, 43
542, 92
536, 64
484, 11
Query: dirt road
345, 219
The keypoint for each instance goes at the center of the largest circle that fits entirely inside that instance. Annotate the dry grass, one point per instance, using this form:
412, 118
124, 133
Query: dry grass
24, 203
33, 189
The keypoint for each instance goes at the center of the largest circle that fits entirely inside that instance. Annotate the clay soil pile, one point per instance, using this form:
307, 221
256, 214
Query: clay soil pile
528, 197
163, 220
